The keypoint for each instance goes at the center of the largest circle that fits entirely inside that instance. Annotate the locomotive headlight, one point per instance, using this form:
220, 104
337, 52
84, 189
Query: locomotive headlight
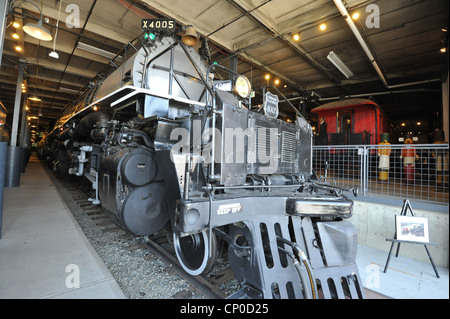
243, 86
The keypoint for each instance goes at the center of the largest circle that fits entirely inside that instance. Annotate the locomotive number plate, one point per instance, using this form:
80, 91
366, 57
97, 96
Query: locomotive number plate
158, 24
229, 208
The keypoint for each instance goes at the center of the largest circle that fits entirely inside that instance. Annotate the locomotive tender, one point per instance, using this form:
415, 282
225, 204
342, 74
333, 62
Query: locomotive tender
162, 142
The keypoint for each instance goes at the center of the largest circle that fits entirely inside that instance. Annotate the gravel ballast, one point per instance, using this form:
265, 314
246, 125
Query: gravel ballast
139, 273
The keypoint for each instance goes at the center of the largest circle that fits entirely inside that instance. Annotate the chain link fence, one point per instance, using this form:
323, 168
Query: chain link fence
419, 172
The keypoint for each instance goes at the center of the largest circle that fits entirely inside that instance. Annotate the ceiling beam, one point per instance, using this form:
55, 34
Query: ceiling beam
66, 48
100, 27
273, 32
40, 88
88, 74
13, 72
167, 11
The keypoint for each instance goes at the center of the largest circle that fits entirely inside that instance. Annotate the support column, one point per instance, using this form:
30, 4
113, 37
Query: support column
3, 151
25, 143
17, 104
3, 9
445, 120
14, 156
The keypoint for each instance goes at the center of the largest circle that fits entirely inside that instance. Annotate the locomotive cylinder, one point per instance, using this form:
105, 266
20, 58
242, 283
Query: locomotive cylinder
128, 190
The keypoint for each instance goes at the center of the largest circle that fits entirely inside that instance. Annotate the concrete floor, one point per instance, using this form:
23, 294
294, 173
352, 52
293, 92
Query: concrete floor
405, 278
42, 249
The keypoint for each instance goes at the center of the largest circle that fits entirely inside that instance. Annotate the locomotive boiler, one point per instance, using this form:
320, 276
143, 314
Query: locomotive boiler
161, 141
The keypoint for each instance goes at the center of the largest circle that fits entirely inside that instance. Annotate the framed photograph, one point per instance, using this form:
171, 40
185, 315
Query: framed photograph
412, 228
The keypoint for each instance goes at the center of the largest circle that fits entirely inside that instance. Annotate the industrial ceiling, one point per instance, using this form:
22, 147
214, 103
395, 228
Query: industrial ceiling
393, 49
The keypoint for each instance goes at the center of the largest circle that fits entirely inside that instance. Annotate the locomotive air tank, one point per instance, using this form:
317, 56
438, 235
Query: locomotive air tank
163, 143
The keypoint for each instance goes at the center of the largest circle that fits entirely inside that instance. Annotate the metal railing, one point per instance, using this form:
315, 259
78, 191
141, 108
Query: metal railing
419, 172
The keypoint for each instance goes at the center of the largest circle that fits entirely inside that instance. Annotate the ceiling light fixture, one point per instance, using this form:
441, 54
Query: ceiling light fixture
35, 98
18, 48
355, 16
339, 64
67, 90
53, 53
296, 37
98, 51
323, 26
443, 50
37, 30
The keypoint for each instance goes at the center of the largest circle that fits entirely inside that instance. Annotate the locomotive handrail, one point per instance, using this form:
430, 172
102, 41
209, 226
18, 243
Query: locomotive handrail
205, 83
137, 91
290, 104
86, 87
155, 58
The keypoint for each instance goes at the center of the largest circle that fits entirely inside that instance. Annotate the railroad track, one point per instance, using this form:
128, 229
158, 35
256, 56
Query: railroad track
217, 284
214, 285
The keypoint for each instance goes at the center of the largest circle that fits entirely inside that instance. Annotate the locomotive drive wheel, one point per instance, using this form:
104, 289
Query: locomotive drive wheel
192, 252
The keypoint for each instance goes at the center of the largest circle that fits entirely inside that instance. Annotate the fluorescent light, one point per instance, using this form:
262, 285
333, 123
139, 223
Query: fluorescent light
98, 51
63, 89
339, 64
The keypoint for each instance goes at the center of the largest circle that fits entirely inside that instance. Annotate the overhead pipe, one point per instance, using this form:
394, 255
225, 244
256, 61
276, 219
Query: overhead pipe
361, 41
375, 93
364, 46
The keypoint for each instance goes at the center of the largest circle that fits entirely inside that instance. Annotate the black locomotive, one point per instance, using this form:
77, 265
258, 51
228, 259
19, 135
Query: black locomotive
162, 142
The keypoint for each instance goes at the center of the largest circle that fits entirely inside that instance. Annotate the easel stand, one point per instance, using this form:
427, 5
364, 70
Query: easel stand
405, 207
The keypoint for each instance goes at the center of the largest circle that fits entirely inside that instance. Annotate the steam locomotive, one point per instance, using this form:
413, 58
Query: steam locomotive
162, 141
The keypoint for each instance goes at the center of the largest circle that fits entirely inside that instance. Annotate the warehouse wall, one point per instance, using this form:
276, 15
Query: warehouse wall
376, 222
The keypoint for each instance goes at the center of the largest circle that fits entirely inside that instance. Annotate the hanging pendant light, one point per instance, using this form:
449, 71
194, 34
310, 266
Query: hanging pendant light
53, 53
38, 31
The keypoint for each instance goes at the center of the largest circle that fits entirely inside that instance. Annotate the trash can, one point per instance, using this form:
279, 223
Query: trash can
13, 166
3, 151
